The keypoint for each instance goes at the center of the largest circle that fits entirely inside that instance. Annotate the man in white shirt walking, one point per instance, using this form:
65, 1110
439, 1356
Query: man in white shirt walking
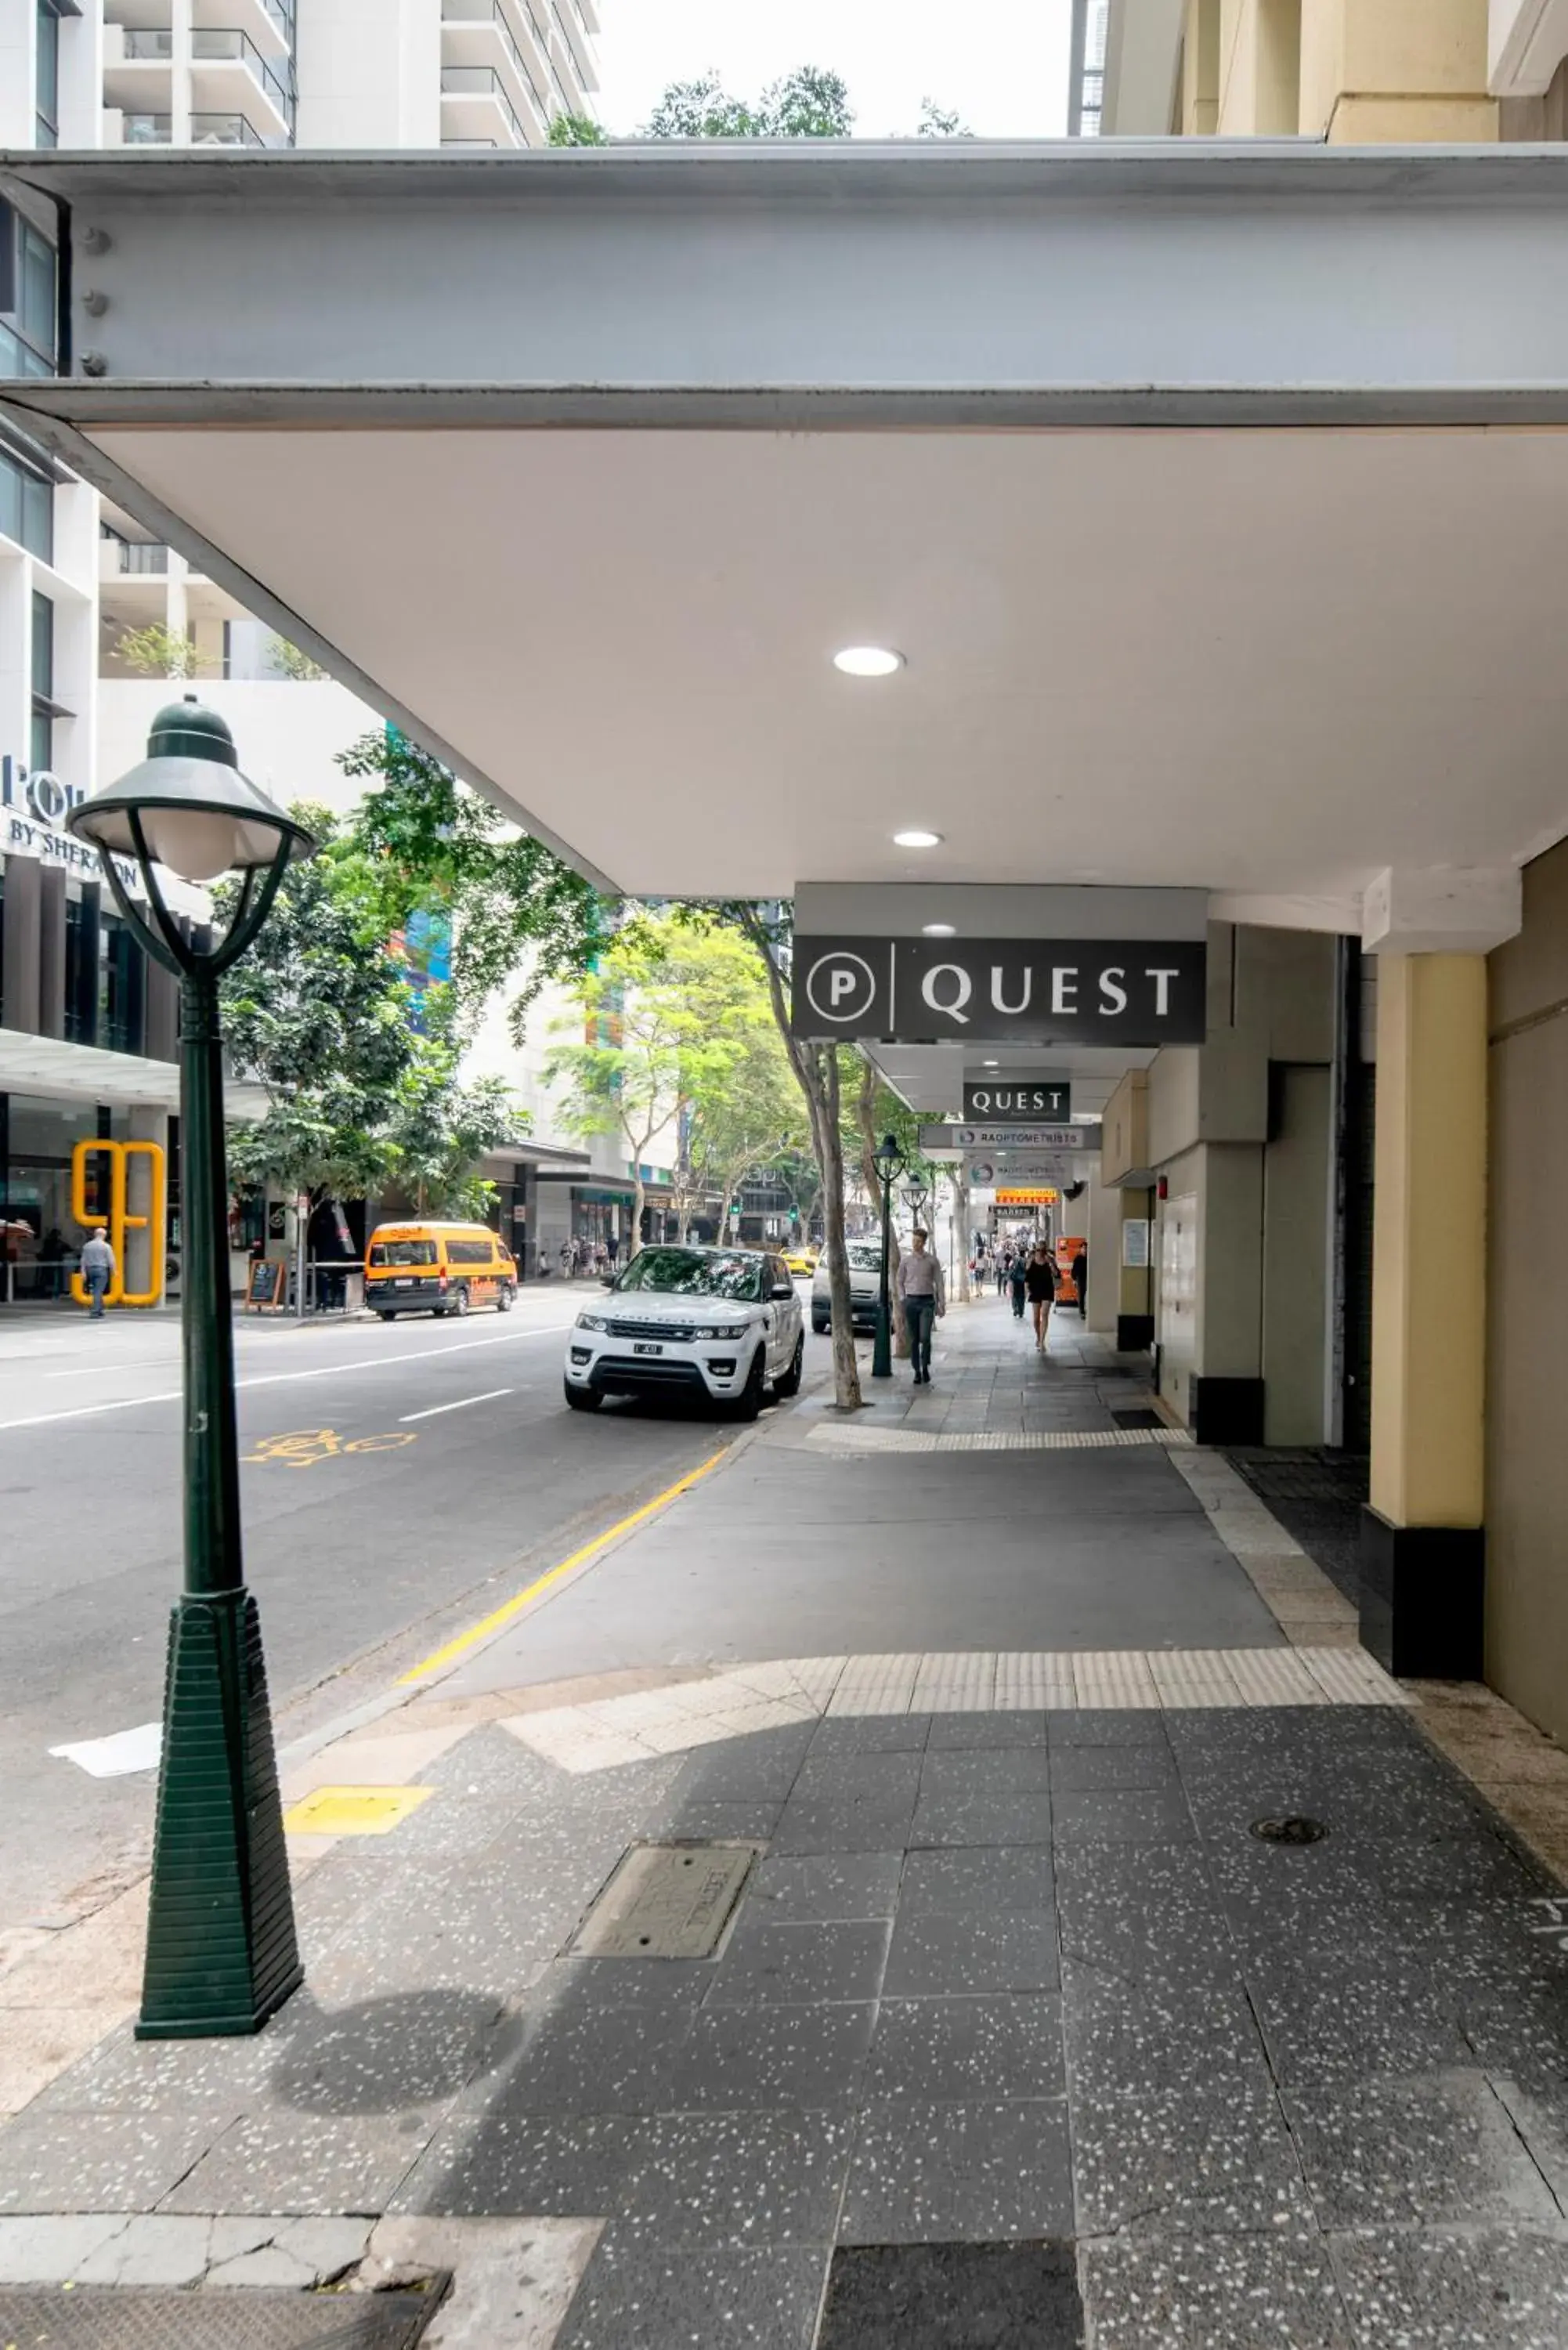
923, 1300
98, 1271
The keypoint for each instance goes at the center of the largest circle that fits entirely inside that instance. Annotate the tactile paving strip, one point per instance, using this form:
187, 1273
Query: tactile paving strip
122, 2318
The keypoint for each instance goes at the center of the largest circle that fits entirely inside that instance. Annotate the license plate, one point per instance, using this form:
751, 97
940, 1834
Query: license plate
402, 1284
642, 1346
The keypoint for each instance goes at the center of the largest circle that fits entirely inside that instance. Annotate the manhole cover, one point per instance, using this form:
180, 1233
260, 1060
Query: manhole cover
666, 1901
1293, 1830
45, 2318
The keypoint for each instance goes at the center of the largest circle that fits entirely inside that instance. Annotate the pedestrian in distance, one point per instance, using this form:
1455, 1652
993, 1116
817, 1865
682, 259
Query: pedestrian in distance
97, 1272
1017, 1282
1001, 1264
923, 1300
1081, 1283
1040, 1281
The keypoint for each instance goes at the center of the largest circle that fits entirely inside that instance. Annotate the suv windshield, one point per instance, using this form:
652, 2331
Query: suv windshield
693, 1272
863, 1259
403, 1252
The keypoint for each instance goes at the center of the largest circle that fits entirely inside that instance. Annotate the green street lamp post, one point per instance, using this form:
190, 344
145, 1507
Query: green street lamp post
222, 1954
889, 1163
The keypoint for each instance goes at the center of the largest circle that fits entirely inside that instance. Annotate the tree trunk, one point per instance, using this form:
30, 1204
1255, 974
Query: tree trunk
816, 1074
865, 1112
960, 1220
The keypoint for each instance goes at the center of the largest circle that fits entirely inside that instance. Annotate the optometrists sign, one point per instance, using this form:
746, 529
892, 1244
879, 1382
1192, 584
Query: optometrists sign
1039, 992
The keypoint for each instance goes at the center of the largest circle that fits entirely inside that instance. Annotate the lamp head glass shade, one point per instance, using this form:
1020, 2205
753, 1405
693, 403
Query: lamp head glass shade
889, 1158
200, 815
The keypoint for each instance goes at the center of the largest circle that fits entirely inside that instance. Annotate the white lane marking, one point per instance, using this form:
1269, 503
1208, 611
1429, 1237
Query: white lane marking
283, 1378
115, 1757
460, 1405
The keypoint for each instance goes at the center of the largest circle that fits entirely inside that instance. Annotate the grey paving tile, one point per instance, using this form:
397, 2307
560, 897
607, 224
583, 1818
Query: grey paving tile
1086, 1770
708, 1820
1144, 1909
963, 1732
978, 2172
870, 1733
843, 1826
1346, 1871
220, 2078
938, 1953
588, 2059
387, 2055
1002, 2047
305, 2163
1214, 2292
754, 2178
1130, 2038
952, 2297
878, 1778
769, 1962
1422, 1809
766, 1763
1018, 1818
1345, 2016
1499, 2288
667, 1987
982, 1771
1104, 1726
971, 1879
642, 2296
738, 2058
1538, 2108
1123, 1816
548, 2166
1402, 2152
97, 2161
826, 1884
1183, 2159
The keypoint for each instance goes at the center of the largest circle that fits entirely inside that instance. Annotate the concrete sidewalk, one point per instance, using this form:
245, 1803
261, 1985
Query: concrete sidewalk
1017, 2032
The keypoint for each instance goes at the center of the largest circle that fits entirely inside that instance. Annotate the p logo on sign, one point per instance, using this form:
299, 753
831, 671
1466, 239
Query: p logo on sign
840, 986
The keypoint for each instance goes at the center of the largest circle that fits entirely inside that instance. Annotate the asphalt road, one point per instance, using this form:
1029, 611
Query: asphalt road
398, 1483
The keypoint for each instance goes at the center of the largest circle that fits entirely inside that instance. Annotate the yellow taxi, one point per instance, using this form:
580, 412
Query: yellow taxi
800, 1261
437, 1268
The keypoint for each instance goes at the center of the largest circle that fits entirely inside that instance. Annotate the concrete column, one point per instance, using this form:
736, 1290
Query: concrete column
1410, 72
1134, 1283
1422, 1534
146, 1125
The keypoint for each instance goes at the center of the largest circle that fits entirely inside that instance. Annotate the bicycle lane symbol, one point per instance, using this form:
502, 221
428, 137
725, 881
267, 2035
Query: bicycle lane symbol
302, 1447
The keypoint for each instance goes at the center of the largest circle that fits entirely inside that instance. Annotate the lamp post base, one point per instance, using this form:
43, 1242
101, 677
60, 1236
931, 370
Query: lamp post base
222, 1956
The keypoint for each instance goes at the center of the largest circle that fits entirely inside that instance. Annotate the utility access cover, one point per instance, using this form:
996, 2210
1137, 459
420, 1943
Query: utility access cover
120, 2318
666, 1901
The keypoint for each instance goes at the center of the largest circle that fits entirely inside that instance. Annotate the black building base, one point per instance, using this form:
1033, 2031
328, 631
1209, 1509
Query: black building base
1227, 1411
1422, 1598
1135, 1332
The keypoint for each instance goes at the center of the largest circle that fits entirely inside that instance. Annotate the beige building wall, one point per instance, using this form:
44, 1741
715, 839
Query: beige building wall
1357, 72
1526, 1273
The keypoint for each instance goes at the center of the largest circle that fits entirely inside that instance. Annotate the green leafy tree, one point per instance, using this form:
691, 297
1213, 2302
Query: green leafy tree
160, 651
939, 122
744, 1106
293, 663
440, 1129
577, 130
431, 845
809, 103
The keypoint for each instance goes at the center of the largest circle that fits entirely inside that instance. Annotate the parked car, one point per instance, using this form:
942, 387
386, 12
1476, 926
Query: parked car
720, 1325
865, 1287
437, 1268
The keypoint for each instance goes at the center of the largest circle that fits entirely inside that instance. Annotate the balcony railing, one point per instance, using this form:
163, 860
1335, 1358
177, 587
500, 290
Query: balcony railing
148, 129
482, 81
225, 130
222, 44
138, 559
142, 43
491, 12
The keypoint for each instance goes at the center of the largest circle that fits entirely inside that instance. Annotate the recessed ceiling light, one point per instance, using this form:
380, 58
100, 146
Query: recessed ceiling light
991, 1065
918, 840
867, 661
939, 930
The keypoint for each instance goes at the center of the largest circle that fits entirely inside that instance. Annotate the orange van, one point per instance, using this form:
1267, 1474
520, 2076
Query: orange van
420, 1268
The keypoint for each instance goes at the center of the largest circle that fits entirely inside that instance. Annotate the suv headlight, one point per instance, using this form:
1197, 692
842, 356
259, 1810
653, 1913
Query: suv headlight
592, 1322
720, 1330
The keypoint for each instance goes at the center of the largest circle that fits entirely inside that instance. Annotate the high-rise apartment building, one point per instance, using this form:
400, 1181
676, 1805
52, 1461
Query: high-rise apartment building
87, 596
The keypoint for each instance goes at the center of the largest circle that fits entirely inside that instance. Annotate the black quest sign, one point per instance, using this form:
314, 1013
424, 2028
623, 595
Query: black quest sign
1051, 1100
1035, 991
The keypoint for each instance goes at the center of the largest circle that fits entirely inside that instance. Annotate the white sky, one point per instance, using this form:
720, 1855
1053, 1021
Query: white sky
1006, 77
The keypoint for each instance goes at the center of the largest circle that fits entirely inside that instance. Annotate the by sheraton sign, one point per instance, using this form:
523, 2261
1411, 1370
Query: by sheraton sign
1042, 992
33, 806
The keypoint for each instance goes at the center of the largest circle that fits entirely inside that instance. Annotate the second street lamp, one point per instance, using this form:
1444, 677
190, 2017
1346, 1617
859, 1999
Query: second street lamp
889, 1164
222, 1954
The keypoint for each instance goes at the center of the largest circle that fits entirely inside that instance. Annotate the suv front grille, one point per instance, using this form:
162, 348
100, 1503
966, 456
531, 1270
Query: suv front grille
675, 1331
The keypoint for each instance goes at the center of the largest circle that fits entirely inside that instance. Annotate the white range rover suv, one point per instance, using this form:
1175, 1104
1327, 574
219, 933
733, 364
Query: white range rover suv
720, 1324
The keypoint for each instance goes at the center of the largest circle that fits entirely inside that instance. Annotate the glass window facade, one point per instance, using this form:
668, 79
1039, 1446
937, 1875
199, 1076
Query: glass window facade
27, 507
39, 1238
47, 80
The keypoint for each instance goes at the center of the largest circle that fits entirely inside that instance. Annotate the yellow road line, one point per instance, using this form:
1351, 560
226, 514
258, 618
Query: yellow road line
504, 1615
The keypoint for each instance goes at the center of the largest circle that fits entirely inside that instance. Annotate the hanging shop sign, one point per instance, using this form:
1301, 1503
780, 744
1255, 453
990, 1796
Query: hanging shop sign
1050, 1098
954, 1139
1042, 992
1018, 1167
1026, 1196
